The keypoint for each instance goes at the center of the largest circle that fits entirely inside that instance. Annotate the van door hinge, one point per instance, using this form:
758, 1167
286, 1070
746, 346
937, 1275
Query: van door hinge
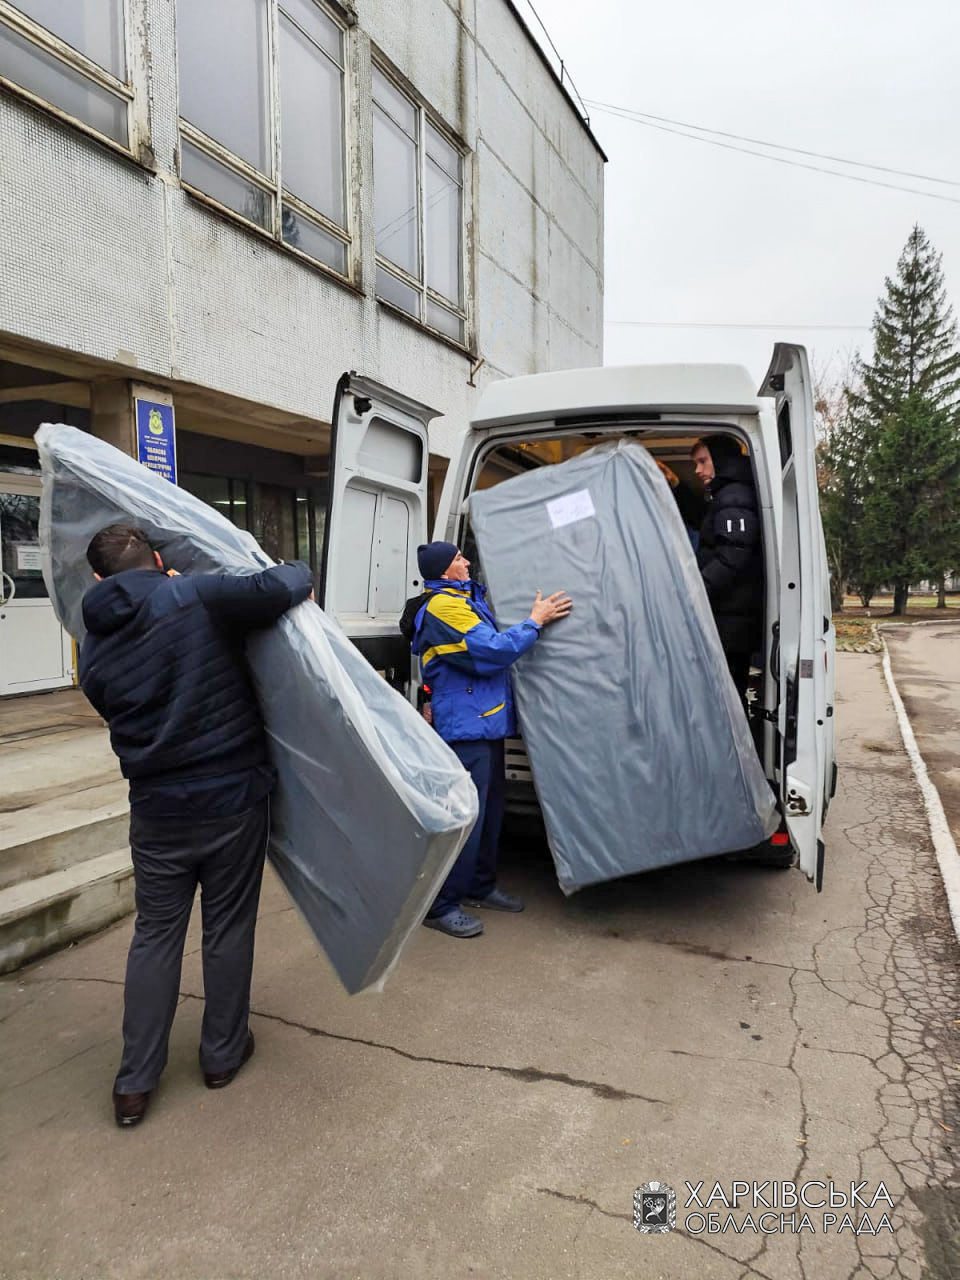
766, 714
797, 801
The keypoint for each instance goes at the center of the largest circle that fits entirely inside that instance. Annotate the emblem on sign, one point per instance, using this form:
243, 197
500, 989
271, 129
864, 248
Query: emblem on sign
654, 1208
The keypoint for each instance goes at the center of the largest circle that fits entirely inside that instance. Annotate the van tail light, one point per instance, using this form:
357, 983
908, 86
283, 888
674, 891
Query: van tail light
780, 837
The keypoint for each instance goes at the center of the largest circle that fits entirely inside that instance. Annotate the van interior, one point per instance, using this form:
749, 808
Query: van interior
524, 453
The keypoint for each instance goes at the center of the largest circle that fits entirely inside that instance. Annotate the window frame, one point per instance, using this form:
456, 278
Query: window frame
133, 91
425, 116
273, 187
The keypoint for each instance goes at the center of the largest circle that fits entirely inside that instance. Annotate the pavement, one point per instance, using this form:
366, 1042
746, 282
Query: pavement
491, 1113
926, 666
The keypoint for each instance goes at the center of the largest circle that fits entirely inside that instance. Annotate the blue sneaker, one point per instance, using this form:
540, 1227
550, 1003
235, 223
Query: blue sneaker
456, 923
497, 900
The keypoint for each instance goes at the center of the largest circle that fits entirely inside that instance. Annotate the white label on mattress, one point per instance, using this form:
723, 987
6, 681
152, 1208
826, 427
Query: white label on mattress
571, 507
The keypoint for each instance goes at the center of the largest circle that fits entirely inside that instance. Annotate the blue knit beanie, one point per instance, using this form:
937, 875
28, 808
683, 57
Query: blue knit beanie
435, 557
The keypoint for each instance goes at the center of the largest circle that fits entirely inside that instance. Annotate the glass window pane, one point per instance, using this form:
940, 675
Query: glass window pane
239, 507
275, 531
395, 194
215, 179
440, 318
389, 97
20, 543
93, 27
49, 78
300, 233
224, 70
440, 151
311, 113
317, 24
401, 295
213, 490
442, 234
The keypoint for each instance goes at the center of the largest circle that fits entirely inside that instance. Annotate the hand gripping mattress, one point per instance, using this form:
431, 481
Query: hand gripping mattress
371, 807
640, 750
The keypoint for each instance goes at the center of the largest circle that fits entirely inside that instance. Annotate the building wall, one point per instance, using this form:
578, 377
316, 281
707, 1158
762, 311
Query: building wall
101, 257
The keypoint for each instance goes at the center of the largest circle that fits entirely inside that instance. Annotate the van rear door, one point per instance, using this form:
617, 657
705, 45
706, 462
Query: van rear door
376, 515
805, 660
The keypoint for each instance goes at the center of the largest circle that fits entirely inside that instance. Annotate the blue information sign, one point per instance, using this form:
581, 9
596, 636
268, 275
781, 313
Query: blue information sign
156, 438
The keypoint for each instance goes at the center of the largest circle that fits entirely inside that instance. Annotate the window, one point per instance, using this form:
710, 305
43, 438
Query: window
71, 56
228, 496
263, 134
418, 212
287, 522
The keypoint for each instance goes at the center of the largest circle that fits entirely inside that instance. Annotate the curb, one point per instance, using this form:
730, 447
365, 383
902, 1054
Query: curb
940, 833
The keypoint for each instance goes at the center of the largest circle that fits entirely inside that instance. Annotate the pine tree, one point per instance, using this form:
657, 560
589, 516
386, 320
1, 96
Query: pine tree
840, 479
906, 409
910, 527
914, 337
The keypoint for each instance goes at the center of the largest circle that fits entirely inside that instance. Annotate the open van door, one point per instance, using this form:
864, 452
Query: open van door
805, 638
376, 516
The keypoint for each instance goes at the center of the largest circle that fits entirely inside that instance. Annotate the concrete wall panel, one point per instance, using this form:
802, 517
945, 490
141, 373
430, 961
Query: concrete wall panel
102, 258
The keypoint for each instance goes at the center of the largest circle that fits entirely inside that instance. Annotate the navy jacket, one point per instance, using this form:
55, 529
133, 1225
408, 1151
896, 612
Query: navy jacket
465, 660
730, 555
163, 663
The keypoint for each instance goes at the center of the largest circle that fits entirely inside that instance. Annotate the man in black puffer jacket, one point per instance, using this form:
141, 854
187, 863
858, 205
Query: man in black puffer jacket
163, 663
730, 551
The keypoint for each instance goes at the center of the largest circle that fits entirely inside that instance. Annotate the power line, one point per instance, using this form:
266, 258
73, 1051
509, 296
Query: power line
631, 113
796, 164
703, 324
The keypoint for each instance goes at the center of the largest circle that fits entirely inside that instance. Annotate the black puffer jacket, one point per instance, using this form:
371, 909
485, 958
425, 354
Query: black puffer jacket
730, 554
163, 662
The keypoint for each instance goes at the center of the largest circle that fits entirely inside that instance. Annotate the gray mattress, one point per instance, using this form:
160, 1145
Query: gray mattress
640, 750
371, 807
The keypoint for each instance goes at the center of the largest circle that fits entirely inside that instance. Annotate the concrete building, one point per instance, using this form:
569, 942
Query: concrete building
220, 208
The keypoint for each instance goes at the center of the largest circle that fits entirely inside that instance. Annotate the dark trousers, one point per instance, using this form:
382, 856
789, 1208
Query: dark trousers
170, 858
474, 874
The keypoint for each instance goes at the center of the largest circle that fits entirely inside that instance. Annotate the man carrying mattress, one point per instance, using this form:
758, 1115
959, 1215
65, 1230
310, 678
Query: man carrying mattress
466, 661
163, 662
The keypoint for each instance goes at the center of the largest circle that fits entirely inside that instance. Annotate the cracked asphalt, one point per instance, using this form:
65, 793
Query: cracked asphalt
491, 1113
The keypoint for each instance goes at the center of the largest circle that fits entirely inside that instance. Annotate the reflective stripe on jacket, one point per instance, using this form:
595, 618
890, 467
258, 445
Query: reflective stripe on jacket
466, 660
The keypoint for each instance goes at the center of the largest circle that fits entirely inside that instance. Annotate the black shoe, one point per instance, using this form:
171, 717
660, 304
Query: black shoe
130, 1108
220, 1079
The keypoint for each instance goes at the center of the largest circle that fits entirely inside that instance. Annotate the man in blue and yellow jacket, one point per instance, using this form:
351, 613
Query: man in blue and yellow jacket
465, 660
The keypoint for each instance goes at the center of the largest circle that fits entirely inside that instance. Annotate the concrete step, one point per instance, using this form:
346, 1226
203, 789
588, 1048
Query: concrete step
41, 914
62, 831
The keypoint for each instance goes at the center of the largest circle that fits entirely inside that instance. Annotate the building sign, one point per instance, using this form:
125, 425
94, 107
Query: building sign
156, 438
29, 558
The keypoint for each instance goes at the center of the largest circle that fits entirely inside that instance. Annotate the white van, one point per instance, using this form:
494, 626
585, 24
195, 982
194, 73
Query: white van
378, 516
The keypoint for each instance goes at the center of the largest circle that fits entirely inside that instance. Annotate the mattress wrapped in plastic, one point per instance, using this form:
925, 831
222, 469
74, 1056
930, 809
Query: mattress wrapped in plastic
639, 747
371, 807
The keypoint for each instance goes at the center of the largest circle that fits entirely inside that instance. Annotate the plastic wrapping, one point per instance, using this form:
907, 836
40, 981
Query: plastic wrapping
640, 749
371, 808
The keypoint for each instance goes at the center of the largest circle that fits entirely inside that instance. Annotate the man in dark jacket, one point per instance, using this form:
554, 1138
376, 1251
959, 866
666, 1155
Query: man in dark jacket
163, 663
730, 550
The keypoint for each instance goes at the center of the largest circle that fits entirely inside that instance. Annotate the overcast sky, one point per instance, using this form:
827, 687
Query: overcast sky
699, 234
